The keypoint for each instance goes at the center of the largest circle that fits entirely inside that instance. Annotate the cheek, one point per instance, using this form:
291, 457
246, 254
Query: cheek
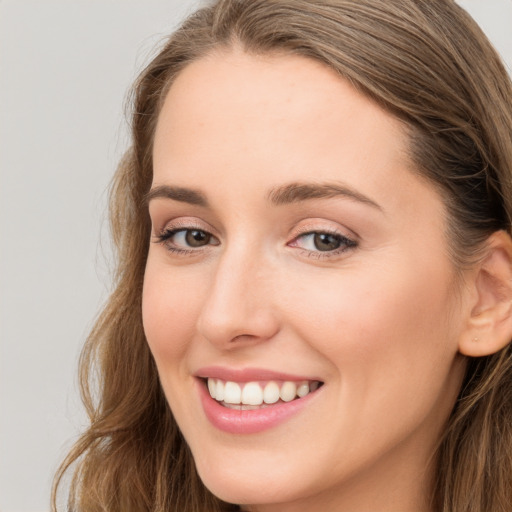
170, 305
386, 333
364, 308
391, 346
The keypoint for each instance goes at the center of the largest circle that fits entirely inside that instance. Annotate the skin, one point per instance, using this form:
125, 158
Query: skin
378, 322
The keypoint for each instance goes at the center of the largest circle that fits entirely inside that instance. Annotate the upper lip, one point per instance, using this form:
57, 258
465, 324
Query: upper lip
248, 374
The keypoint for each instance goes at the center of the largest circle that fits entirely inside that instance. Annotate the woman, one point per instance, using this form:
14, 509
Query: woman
314, 288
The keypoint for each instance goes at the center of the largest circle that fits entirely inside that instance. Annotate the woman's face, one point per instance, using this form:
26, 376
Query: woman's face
295, 256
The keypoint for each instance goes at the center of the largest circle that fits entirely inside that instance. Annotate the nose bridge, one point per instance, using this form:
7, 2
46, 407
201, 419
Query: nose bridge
239, 303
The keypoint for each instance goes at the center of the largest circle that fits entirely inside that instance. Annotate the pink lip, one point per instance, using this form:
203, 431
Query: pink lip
248, 374
236, 421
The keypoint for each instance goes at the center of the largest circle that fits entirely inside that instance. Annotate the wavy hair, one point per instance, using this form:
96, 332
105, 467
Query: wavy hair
426, 62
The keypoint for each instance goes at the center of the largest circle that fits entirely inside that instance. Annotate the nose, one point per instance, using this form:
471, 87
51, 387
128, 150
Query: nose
239, 305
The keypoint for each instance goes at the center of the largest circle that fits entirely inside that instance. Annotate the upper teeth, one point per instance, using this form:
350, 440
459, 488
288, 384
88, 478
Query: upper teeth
254, 393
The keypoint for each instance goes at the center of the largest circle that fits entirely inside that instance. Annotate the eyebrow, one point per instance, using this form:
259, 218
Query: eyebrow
184, 195
296, 192
285, 194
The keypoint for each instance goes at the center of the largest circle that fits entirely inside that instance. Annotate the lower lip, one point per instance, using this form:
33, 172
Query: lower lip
236, 421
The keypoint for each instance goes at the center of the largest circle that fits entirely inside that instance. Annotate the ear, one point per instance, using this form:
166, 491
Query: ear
489, 327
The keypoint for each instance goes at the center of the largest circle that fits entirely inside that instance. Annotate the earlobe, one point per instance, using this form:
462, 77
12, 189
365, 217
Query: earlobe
489, 327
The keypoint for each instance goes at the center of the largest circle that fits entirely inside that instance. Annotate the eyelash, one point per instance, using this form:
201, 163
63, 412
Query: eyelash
165, 238
345, 244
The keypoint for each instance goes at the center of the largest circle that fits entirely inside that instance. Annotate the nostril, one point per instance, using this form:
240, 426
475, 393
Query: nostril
243, 337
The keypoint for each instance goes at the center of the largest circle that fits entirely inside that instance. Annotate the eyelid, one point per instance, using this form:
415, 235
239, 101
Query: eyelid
323, 226
183, 223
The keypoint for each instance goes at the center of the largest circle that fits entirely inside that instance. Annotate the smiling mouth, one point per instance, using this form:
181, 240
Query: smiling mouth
258, 394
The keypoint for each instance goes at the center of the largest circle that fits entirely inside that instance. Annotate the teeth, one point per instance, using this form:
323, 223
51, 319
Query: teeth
302, 389
232, 393
271, 393
219, 391
212, 388
314, 386
253, 394
288, 391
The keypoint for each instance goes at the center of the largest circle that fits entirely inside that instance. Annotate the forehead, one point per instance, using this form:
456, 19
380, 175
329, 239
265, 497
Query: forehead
245, 90
263, 120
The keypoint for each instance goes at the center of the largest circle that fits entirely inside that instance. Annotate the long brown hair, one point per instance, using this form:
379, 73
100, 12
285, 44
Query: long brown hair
426, 62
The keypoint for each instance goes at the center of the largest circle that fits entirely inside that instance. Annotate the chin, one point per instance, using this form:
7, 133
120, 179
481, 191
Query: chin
243, 487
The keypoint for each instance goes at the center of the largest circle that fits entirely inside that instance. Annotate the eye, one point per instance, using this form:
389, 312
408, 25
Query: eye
186, 239
323, 242
193, 237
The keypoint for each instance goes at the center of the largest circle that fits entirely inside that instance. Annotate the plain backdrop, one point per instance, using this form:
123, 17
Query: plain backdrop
65, 68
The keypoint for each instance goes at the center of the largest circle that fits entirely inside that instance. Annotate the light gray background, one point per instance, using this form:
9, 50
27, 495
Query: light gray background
65, 67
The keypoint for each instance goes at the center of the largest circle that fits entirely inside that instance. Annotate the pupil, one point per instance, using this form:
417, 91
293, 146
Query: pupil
196, 238
326, 242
